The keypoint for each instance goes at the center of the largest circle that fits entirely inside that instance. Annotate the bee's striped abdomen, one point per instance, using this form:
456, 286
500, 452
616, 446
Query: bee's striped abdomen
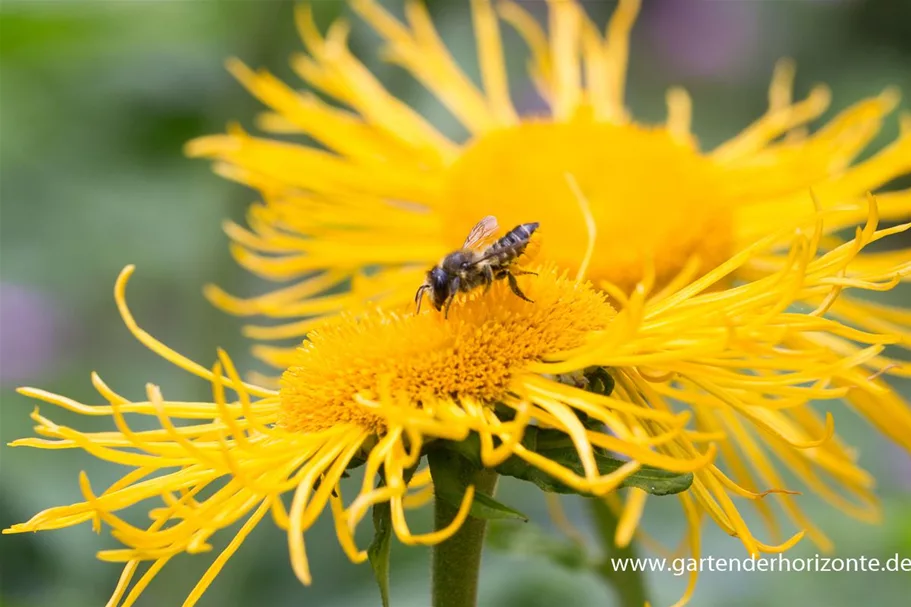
513, 242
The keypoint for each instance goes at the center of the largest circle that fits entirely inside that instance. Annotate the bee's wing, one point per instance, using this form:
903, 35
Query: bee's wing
481, 234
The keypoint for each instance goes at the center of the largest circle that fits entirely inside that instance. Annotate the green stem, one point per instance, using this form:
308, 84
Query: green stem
457, 561
628, 584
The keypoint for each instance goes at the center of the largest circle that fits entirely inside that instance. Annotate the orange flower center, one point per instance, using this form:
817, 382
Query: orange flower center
473, 354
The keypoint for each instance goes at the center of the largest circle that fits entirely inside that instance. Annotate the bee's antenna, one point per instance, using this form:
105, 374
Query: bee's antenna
419, 297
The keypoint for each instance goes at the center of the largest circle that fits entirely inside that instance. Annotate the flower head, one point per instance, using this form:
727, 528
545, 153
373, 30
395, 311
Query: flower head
474, 354
383, 389
389, 195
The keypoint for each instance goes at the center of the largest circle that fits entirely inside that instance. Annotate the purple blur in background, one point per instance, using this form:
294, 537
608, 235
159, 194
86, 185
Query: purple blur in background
33, 334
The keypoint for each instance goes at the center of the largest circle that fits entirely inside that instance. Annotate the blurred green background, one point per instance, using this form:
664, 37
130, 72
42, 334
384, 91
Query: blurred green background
96, 100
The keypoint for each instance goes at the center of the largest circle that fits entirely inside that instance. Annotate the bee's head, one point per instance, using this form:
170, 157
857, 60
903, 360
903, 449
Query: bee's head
439, 286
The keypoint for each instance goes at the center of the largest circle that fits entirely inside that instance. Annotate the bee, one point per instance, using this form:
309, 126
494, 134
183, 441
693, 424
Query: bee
477, 263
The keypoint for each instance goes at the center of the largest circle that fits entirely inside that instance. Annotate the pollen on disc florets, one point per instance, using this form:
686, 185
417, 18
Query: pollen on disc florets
471, 354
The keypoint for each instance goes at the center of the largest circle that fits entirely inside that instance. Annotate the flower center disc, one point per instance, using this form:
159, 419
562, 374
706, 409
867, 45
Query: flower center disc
651, 196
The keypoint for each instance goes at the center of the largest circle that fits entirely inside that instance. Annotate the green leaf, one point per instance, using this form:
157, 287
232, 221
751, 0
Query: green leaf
657, 481
450, 486
650, 479
380, 547
557, 447
488, 508
521, 470
532, 540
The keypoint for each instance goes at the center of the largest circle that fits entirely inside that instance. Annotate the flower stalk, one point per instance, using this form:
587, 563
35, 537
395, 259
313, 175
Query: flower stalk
628, 584
456, 562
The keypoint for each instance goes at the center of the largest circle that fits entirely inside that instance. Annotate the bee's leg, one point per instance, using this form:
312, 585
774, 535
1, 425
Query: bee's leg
521, 272
514, 285
488, 278
453, 290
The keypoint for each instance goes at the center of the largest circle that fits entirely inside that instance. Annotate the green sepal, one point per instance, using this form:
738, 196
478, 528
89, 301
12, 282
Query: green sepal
557, 447
450, 486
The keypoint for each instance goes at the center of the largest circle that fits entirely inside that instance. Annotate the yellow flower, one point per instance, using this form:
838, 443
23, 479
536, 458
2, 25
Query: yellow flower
387, 195
383, 388
356, 221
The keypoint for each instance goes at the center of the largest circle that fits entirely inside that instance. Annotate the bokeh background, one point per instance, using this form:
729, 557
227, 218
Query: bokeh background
96, 101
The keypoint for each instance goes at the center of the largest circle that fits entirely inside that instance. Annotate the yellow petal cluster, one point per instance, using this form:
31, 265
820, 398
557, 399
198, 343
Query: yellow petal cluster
693, 366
